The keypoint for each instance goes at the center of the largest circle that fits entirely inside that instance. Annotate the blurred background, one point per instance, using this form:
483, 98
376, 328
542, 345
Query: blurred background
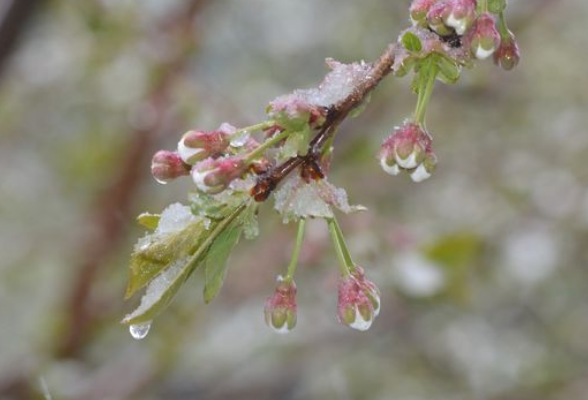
483, 269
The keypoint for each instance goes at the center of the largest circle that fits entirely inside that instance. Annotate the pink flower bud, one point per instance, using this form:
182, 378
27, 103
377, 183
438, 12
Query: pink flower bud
507, 55
280, 308
355, 308
293, 111
408, 148
460, 15
483, 38
419, 9
168, 165
195, 146
369, 289
214, 175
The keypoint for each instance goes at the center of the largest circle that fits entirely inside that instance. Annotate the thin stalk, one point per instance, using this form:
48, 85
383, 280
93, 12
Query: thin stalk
345, 263
257, 127
296, 251
266, 145
502, 27
426, 86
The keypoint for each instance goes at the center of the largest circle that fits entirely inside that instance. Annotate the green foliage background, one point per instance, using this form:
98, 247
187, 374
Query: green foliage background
483, 268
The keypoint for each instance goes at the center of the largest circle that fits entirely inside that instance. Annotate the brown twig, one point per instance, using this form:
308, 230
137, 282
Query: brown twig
336, 114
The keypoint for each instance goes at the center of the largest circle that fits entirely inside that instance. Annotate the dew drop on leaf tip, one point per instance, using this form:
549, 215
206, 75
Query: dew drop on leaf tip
140, 331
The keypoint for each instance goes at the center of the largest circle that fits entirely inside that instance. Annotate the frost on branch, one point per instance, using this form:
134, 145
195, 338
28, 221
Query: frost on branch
297, 199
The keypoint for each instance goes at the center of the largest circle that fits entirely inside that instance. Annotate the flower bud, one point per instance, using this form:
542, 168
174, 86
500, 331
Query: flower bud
408, 148
507, 55
280, 308
369, 289
355, 309
294, 111
168, 165
426, 168
214, 175
483, 39
419, 9
195, 146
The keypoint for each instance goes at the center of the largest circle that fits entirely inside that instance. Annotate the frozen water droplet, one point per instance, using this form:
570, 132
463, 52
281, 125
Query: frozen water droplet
140, 331
240, 139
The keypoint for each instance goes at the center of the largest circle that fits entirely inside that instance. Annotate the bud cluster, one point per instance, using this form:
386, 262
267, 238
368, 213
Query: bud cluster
408, 148
359, 301
280, 308
477, 30
211, 158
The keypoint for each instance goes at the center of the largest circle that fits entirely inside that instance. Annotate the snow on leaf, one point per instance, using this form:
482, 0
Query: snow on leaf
297, 199
163, 288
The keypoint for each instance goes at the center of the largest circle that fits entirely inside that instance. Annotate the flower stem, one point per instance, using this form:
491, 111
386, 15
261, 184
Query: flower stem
296, 251
428, 73
266, 145
502, 27
257, 127
345, 262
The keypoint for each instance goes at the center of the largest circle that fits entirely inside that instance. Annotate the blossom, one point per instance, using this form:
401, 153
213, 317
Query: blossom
358, 303
195, 146
214, 175
280, 308
507, 55
483, 38
408, 148
168, 165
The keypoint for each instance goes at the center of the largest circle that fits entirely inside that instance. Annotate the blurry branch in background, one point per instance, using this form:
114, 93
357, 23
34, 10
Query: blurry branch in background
110, 213
14, 15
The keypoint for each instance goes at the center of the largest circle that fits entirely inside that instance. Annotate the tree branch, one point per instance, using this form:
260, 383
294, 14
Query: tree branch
336, 114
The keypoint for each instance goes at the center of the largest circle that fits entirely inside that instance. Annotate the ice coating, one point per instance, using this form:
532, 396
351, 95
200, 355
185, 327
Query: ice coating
298, 199
174, 218
157, 288
338, 84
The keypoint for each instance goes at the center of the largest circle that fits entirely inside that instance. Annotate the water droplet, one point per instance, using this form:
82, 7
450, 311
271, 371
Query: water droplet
161, 181
240, 139
140, 331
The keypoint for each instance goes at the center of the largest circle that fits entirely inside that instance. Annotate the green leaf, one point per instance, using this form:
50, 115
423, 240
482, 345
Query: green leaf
157, 254
217, 257
148, 220
166, 284
411, 42
448, 70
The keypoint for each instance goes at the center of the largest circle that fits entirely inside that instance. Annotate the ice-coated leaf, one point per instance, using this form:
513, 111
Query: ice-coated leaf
297, 199
158, 252
149, 221
162, 289
411, 42
217, 257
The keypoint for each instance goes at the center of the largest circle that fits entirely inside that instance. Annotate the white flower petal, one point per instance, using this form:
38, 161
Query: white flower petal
482, 53
390, 170
408, 162
360, 324
458, 24
187, 153
420, 174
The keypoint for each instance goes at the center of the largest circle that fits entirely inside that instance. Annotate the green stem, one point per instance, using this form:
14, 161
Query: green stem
426, 85
296, 251
257, 127
482, 6
345, 263
502, 27
266, 145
